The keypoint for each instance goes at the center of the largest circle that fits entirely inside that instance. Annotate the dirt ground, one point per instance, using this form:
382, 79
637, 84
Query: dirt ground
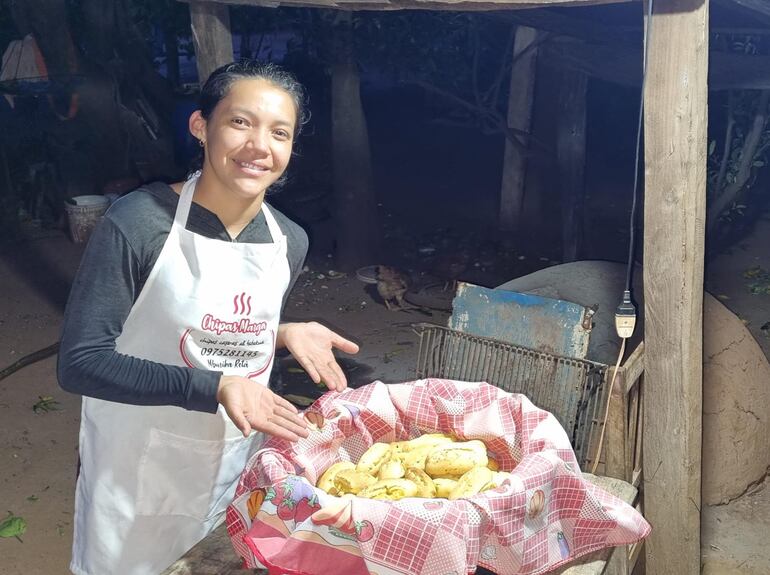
38, 447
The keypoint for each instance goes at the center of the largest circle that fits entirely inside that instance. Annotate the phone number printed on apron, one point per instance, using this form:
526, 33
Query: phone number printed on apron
249, 354
209, 351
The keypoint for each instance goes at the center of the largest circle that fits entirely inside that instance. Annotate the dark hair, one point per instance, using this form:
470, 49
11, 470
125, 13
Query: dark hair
219, 82
218, 85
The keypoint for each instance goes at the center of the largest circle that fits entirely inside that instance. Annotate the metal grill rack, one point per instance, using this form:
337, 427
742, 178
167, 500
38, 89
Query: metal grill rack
572, 389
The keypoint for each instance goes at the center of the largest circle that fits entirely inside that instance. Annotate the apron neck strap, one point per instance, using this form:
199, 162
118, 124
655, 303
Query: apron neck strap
272, 224
186, 199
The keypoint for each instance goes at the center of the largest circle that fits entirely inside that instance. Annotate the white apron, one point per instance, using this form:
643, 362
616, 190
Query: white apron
155, 480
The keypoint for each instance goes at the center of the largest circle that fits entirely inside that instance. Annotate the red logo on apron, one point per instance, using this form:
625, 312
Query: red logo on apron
228, 343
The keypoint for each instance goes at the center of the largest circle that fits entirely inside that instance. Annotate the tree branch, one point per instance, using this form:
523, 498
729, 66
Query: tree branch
542, 38
494, 92
475, 71
750, 145
728, 142
512, 134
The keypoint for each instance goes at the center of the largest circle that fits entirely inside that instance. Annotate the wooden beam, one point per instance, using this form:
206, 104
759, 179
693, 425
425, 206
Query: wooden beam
675, 153
213, 42
605, 31
520, 100
616, 432
761, 8
561, 23
623, 65
450, 5
739, 72
571, 158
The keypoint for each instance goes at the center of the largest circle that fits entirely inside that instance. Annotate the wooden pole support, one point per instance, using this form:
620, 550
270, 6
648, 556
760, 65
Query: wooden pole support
520, 101
674, 220
213, 42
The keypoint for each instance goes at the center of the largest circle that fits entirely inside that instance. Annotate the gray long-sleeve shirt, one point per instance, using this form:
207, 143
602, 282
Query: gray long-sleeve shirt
120, 255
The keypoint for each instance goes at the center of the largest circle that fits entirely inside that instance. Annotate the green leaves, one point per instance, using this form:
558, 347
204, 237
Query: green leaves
45, 404
13, 526
760, 280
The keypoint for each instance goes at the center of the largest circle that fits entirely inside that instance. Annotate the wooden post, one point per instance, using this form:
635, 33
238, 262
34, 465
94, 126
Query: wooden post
571, 158
674, 216
520, 101
616, 434
210, 23
355, 210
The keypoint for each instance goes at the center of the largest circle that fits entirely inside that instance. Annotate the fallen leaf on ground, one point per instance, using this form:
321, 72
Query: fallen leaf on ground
46, 404
13, 526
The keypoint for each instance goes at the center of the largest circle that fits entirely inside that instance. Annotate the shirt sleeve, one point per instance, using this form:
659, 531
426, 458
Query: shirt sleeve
297, 251
105, 288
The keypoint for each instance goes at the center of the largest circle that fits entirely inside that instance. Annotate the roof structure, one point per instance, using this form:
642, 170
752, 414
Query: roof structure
456, 5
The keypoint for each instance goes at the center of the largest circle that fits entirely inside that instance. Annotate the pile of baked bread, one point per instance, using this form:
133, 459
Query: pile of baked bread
432, 465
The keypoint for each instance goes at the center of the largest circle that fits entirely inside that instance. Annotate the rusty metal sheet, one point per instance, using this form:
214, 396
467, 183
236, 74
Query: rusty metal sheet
544, 324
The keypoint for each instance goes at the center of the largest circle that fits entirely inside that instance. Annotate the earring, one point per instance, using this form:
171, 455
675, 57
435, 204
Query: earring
201, 143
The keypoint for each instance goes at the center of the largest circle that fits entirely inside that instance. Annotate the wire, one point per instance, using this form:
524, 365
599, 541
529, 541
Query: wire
626, 311
634, 192
607, 407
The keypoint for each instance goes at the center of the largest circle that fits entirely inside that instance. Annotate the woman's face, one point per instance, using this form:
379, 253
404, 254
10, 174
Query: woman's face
248, 137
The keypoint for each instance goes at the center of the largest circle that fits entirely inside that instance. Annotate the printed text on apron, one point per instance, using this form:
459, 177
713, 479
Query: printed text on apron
156, 480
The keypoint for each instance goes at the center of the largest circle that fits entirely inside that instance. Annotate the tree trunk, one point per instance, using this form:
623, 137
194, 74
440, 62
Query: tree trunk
137, 59
212, 38
99, 20
47, 21
97, 121
752, 141
8, 208
520, 102
104, 134
171, 44
571, 157
355, 206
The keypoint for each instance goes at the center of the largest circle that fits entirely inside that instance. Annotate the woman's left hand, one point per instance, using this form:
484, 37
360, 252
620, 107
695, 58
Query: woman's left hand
311, 344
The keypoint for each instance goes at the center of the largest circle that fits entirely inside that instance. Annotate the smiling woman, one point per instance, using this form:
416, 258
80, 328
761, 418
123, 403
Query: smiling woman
248, 142
171, 331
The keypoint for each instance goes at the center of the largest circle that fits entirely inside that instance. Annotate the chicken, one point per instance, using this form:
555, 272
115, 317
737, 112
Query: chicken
392, 285
450, 266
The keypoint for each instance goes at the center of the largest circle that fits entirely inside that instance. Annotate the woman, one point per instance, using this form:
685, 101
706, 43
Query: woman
171, 329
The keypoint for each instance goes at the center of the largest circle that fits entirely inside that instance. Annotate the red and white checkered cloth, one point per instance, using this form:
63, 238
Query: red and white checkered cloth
544, 516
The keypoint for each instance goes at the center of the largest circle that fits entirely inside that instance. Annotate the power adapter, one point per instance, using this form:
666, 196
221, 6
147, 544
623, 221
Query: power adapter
625, 322
625, 317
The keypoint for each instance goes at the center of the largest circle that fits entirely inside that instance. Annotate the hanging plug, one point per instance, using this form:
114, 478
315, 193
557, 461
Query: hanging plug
625, 317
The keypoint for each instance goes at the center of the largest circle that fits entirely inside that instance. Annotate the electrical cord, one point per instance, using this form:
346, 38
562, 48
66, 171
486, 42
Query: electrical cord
634, 191
625, 314
607, 407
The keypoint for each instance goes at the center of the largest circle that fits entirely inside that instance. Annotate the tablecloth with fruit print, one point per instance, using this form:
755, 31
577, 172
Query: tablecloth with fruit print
544, 515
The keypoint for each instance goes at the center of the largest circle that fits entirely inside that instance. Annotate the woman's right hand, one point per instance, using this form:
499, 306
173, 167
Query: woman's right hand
253, 406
